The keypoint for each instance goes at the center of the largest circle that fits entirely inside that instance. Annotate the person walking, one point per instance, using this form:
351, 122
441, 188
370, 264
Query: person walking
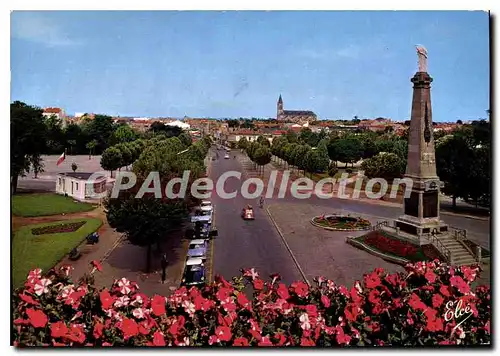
164, 264
261, 202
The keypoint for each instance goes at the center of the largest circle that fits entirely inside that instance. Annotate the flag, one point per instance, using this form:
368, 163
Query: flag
61, 158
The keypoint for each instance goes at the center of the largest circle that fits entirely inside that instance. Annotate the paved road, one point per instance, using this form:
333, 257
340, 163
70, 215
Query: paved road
246, 244
477, 230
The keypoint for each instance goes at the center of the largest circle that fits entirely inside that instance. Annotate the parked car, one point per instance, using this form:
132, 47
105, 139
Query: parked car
226, 156
194, 273
198, 248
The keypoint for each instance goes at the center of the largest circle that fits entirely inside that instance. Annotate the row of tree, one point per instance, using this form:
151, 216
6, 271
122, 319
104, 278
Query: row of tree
150, 220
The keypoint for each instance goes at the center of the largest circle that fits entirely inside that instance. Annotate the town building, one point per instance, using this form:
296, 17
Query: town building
78, 186
297, 116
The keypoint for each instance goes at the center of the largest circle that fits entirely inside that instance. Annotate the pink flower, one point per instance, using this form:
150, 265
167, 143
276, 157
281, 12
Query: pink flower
76, 333
66, 270
251, 273
42, 286
138, 313
34, 275
122, 301
98, 329
437, 300
304, 322
430, 276
124, 285
258, 284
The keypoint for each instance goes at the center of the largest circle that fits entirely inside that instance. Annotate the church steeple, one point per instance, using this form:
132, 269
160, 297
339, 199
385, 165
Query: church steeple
280, 108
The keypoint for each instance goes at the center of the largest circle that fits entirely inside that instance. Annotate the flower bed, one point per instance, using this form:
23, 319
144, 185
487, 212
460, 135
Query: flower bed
391, 245
399, 309
58, 228
341, 222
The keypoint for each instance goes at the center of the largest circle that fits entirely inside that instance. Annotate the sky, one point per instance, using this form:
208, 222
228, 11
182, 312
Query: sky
229, 64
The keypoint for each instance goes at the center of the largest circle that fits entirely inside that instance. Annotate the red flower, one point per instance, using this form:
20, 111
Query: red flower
341, 337
416, 303
459, 283
281, 339
326, 301
158, 339
243, 301
37, 318
240, 341
97, 265
437, 300
58, 329
430, 276
305, 341
445, 290
223, 333
98, 329
258, 284
265, 342
158, 305
28, 299
76, 334
129, 328
372, 280
283, 291
300, 288
106, 299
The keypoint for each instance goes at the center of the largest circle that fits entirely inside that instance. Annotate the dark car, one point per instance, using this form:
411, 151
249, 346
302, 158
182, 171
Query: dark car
194, 274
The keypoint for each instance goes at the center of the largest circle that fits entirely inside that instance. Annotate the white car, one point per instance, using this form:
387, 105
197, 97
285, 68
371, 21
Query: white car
206, 205
226, 157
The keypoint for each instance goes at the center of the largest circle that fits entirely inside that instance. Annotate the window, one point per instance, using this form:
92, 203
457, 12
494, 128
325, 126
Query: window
59, 181
76, 186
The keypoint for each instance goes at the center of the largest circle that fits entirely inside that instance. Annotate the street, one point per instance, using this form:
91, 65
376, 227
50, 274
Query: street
246, 244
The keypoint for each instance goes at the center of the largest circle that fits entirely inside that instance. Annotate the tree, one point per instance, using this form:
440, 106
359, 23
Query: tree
27, 139
146, 221
262, 156
111, 159
243, 143
348, 149
263, 141
71, 143
91, 146
384, 165
101, 129
55, 134
123, 133
74, 167
454, 161
459, 122
37, 164
126, 153
185, 138
291, 137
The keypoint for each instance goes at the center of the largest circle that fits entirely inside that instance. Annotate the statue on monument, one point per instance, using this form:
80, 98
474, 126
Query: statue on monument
422, 58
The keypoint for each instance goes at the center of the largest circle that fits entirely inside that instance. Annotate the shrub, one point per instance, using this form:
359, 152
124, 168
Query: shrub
410, 308
332, 170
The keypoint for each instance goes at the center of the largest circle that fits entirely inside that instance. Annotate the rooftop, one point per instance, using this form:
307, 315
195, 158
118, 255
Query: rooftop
80, 175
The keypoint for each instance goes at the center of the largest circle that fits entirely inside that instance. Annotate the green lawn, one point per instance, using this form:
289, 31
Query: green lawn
46, 204
44, 251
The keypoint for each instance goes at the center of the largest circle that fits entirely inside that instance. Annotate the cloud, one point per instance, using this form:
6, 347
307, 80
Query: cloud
39, 28
351, 51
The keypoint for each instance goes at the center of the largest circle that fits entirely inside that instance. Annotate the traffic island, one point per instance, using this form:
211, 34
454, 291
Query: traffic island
393, 249
338, 222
